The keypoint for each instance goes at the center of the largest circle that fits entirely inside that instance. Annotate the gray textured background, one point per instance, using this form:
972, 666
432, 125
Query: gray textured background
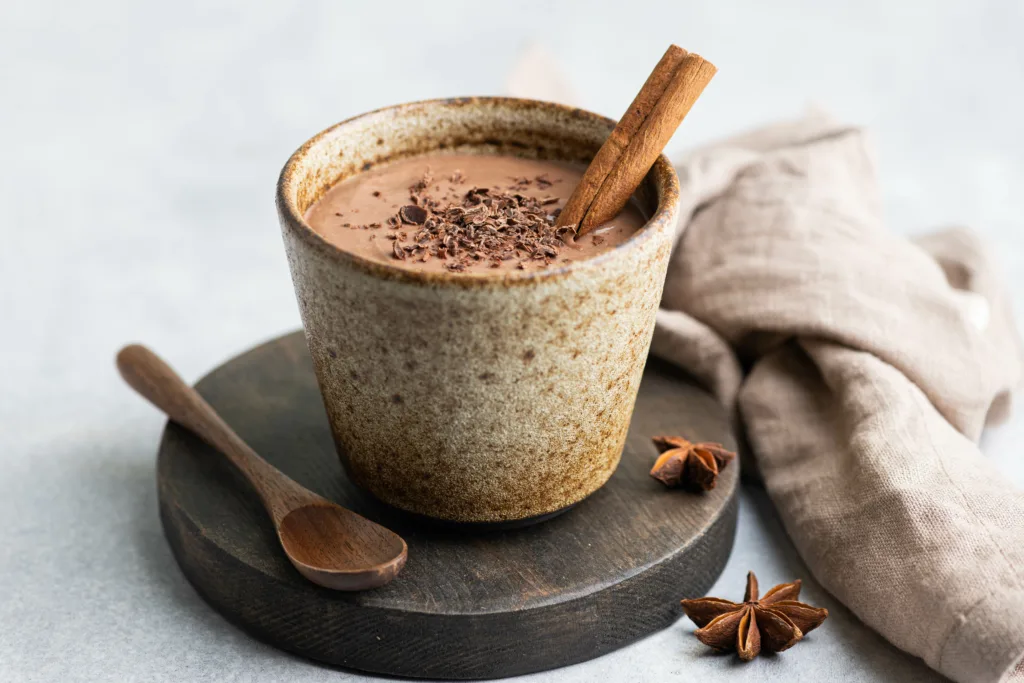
140, 143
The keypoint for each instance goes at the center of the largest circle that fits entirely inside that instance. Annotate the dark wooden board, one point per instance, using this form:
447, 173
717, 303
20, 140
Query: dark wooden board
470, 603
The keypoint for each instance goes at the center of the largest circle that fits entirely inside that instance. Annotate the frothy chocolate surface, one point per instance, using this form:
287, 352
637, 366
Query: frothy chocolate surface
463, 213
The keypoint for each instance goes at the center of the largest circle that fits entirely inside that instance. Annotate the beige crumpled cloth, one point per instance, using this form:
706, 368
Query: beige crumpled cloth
863, 367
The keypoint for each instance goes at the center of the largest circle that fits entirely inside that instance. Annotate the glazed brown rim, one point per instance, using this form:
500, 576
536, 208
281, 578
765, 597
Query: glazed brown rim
666, 183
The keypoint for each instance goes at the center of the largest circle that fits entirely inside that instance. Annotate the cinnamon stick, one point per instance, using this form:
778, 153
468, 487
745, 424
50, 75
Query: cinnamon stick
627, 155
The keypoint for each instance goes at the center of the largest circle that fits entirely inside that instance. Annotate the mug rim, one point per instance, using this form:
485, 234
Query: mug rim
665, 180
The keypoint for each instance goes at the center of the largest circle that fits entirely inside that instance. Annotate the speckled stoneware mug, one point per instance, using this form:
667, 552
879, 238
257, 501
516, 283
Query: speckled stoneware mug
475, 397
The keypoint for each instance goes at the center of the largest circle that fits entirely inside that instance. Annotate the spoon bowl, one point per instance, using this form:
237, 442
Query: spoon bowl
337, 548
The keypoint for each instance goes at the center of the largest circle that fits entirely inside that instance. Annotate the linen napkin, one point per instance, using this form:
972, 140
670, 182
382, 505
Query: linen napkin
863, 367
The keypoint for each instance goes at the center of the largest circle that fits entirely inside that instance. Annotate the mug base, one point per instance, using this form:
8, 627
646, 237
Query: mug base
472, 527
397, 518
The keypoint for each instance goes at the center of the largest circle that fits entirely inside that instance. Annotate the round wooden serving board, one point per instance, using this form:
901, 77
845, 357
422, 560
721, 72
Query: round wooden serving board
470, 603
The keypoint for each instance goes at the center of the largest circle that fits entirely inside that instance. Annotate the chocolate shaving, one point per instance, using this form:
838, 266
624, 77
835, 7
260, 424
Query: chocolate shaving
423, 183
483, 225
412, 214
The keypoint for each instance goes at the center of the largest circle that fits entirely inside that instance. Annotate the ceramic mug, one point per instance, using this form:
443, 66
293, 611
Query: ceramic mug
475, 397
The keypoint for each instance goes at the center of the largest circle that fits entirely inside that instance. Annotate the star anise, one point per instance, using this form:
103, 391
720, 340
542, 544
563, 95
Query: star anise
773, 624
692, 466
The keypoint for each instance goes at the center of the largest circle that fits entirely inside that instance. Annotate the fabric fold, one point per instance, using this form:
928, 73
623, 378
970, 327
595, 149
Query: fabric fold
874, 362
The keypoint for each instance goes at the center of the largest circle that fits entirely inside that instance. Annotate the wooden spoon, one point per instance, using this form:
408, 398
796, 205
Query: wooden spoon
329, 545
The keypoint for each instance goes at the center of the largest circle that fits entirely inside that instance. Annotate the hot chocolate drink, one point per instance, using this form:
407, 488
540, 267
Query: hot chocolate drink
458, 386
462, 213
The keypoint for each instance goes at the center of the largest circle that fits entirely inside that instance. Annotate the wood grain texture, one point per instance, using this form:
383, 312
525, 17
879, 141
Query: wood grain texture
469, 604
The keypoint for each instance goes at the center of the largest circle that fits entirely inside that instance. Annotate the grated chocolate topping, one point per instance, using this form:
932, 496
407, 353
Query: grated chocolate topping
483, 224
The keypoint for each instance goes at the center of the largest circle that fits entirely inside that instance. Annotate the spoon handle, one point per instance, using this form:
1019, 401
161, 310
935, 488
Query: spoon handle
154, 380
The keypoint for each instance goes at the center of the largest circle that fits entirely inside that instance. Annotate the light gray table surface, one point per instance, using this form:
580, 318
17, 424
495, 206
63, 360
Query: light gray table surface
139, 146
